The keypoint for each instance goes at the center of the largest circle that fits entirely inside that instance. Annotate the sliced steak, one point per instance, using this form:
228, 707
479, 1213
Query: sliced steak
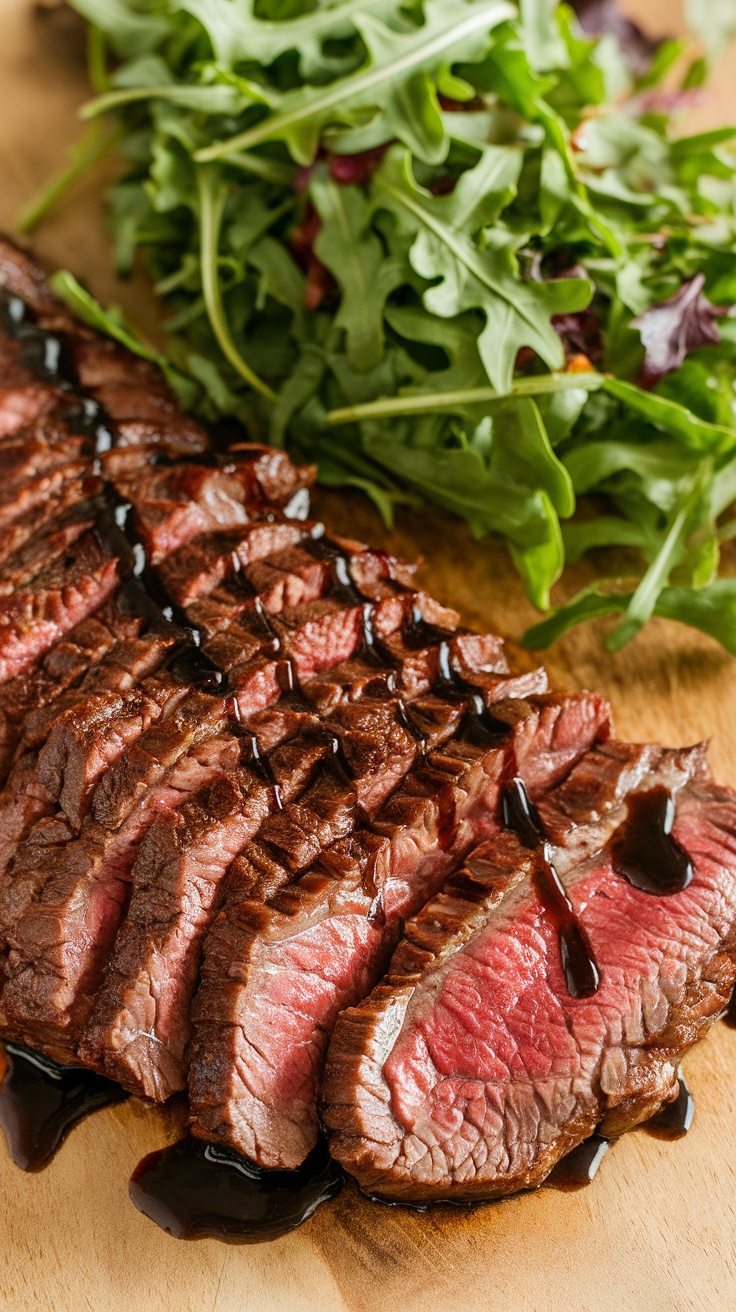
68, 502
173, 505
42, 552
36, 617
26, 795
20, 407
472, 1070
139, 1028
140, 1025
275, 978
67, 899
197, 568
85, 740
80, 650
22, 277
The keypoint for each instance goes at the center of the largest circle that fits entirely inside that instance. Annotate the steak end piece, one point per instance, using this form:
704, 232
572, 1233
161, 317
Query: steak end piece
472, 1070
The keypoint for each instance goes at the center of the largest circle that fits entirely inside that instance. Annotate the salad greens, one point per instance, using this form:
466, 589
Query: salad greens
454, 251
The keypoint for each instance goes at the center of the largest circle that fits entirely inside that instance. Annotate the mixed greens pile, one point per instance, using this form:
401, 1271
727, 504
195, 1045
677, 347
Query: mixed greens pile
454, 251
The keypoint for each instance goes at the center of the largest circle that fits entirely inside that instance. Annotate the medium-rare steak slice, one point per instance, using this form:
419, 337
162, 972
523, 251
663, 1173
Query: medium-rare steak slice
50, 891
81, 649
139, 1027
85, 740
182, 862
201, 564
175, 504
34, 472
472, 1070
274, 978
67, 503
66, 901
27, 795
37, 616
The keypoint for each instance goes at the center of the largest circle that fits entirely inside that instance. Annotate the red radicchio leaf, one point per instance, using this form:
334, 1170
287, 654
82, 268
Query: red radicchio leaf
671, 329
581, 334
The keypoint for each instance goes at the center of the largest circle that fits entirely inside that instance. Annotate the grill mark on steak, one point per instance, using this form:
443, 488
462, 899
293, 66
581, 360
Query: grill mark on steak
274, 978
439, 1085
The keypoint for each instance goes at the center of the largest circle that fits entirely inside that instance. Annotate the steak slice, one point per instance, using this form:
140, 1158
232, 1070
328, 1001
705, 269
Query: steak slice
20, 407
472, 1070
67, 899
86, 739
22, 277
66, 662
43, 551
140, 1025
139, 1028
67, 501
26, 795
173, 505
274, 978
36, 617
34, 471
201, 564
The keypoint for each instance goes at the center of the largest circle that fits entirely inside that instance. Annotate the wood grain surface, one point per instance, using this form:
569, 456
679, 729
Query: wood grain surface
657, 1229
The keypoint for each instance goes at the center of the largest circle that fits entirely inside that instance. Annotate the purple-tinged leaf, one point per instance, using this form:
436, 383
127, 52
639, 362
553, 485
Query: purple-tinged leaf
671, 329
599, 16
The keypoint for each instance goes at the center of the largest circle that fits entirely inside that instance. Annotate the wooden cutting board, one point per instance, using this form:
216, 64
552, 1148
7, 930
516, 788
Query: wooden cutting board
657, 1229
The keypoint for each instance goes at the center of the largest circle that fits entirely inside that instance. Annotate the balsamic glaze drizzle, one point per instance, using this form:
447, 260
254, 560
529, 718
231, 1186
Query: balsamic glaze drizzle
674, 1119
40, 1101
643, 850
577, 1168
521, 816
193, 1189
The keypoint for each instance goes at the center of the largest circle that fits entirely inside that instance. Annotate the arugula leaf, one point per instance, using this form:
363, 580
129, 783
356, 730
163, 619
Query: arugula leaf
403, 239
237, 32
354, 255
109, 321
476, 274
673, 418
396, 86
711, 609
643, 602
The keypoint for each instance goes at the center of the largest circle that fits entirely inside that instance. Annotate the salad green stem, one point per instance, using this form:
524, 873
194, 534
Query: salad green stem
212, 198
271, 170
97, 59
95, 145
387, 407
